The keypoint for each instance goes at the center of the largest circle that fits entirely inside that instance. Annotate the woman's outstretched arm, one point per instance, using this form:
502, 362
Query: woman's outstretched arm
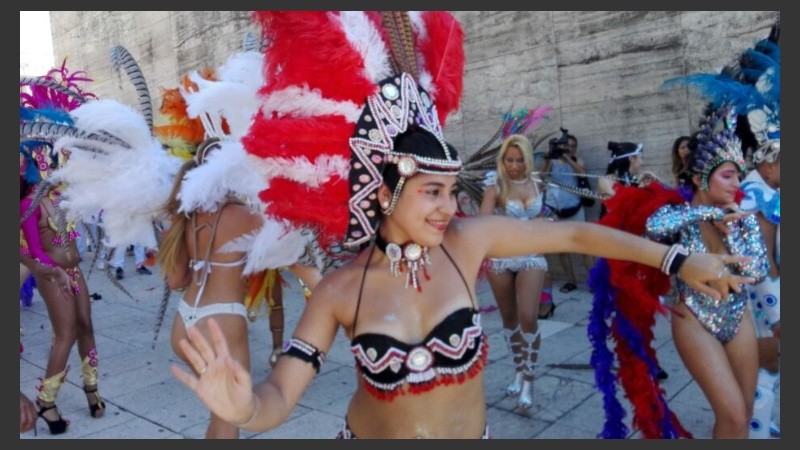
503, 237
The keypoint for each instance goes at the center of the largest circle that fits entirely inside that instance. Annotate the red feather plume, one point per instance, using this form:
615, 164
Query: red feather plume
443, 52
638, 288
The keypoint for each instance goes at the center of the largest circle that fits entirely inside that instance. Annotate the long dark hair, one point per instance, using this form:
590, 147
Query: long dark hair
621, 167
679, 165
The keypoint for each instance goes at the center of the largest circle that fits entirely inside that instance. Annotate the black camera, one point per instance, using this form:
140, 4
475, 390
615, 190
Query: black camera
559, 146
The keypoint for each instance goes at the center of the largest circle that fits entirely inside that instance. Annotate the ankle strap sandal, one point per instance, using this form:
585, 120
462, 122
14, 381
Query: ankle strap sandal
98, 408
57, 426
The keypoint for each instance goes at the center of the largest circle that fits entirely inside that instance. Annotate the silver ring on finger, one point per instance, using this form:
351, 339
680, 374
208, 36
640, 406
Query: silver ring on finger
722, 272
203, 370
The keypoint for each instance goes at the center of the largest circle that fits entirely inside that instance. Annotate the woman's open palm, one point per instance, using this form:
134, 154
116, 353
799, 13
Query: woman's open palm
223, 384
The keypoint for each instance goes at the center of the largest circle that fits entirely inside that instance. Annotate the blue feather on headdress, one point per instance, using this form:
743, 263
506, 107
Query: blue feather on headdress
45, 115
752, 87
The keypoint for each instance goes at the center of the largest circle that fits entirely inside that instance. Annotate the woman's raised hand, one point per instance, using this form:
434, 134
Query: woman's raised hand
707, 273
222, 382
732, 213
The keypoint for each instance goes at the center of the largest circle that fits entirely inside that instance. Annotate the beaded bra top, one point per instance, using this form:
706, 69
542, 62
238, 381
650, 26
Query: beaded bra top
453, 351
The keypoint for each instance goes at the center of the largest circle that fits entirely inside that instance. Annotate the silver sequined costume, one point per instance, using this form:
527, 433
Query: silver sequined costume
515, 209
681, 224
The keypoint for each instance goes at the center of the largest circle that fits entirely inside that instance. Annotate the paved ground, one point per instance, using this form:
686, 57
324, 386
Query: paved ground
145, 401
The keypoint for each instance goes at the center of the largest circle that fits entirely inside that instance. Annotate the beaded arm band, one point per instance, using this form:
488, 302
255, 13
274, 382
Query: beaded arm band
305, 351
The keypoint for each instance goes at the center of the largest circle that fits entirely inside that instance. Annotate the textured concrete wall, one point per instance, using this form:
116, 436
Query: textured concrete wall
601, 70
166, 44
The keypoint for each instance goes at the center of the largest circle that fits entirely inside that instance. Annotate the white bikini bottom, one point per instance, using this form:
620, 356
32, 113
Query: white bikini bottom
519, 263
191, 314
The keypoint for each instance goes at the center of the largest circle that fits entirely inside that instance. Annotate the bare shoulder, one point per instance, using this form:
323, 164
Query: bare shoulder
240, 217
338, 290
341, 279
468, 238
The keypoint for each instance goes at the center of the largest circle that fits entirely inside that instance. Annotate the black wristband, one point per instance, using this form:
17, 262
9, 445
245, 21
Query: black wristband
678, 260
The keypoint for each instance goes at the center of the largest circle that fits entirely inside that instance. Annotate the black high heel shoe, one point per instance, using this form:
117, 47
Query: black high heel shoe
58, 426
549, 313
95, 409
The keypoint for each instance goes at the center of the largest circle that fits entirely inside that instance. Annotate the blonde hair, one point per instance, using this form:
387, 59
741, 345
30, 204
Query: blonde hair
503, 183
173, 241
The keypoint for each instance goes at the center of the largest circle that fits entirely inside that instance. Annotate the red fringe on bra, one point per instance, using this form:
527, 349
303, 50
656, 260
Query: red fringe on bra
441, 380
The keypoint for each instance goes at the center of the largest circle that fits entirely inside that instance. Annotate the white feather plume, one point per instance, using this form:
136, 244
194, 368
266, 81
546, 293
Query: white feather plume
302, 170
129, 185
227, 170
273, 246
367, 41
243, 68
304, 102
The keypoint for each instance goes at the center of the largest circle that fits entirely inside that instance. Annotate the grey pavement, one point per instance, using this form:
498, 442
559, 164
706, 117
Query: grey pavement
144, 401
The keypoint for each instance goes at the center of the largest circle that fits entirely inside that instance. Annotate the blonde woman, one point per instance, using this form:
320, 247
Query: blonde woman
517, 282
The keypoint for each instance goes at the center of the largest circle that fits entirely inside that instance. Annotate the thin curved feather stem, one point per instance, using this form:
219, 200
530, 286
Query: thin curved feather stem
51, 130
162, 311
588, 193
121, 58
41, 189
112, 277
52, 84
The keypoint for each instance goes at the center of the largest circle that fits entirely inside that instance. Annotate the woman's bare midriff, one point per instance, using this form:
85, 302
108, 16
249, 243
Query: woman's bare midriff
66, 256
456, 411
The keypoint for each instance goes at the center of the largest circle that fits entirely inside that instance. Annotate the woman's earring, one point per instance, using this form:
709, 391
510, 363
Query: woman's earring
385, 208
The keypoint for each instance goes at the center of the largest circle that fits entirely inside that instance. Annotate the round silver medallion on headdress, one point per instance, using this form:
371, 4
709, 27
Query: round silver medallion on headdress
390, 91
407, 166
412, 251
419, 359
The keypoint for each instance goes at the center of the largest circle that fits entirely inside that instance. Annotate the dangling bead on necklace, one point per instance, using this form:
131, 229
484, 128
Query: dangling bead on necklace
411, 255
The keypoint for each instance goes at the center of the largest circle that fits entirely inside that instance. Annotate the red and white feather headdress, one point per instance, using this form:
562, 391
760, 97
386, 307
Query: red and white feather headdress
339, 87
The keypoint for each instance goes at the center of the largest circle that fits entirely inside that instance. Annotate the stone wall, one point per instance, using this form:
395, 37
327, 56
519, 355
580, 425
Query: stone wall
601, 70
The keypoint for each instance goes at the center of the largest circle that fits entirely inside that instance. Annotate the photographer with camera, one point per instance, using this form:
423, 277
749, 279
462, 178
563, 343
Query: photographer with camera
564, 166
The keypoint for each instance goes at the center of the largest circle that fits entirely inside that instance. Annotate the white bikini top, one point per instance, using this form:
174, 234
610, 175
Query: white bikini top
202, 267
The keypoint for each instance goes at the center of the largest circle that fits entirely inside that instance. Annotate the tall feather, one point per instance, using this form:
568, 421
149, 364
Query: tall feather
250, 43
51, 84
122, 59
47, 130
443, 53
